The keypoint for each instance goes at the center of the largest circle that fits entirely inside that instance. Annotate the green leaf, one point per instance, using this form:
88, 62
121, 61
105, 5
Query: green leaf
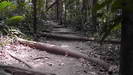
14, 19
117, 27
4, 5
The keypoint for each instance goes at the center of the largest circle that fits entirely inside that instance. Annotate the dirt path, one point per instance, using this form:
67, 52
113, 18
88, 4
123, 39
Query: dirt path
46, 62
66, 65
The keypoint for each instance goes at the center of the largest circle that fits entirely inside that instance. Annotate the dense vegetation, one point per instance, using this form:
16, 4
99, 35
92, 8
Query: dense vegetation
98, 18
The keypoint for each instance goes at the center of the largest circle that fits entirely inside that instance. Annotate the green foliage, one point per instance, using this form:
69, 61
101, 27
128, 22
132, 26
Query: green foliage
117, 27
14, 20
108, 15
113, 26
14, 32
99, 5
6, 9
5, 5
4, 29
70, 3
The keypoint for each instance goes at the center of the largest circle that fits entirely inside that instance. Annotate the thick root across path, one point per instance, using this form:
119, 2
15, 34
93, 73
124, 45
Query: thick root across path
62, 51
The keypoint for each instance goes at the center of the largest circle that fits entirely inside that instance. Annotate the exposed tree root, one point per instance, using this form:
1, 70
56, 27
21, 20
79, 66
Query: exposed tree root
61, 51
13, 56
61, 37
22, 71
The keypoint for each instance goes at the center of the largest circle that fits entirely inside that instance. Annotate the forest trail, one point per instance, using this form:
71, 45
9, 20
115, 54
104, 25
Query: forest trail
61, 29
68, 65
46, 62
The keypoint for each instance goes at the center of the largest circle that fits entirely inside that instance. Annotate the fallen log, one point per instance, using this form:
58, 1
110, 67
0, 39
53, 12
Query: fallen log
22, 71
61, 51
75, 38
50, 6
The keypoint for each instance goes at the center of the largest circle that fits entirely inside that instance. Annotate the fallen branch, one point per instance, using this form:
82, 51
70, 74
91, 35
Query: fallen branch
13, 56
61, 51
14, 69
51, 6
63, 37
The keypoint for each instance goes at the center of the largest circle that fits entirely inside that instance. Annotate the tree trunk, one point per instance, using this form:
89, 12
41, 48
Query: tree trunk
126, 61
84, 10
46, 4
94, 18
65, 12
35, 17
57, 10
60, 11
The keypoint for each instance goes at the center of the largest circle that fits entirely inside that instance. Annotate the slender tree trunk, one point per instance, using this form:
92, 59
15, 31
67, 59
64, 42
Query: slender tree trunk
84, 10
35, 17
94, 18
60, 11
46, 4
126, 62
65, 12
57, 10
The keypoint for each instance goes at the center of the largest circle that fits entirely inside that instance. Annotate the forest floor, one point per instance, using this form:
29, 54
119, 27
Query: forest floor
57, 64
